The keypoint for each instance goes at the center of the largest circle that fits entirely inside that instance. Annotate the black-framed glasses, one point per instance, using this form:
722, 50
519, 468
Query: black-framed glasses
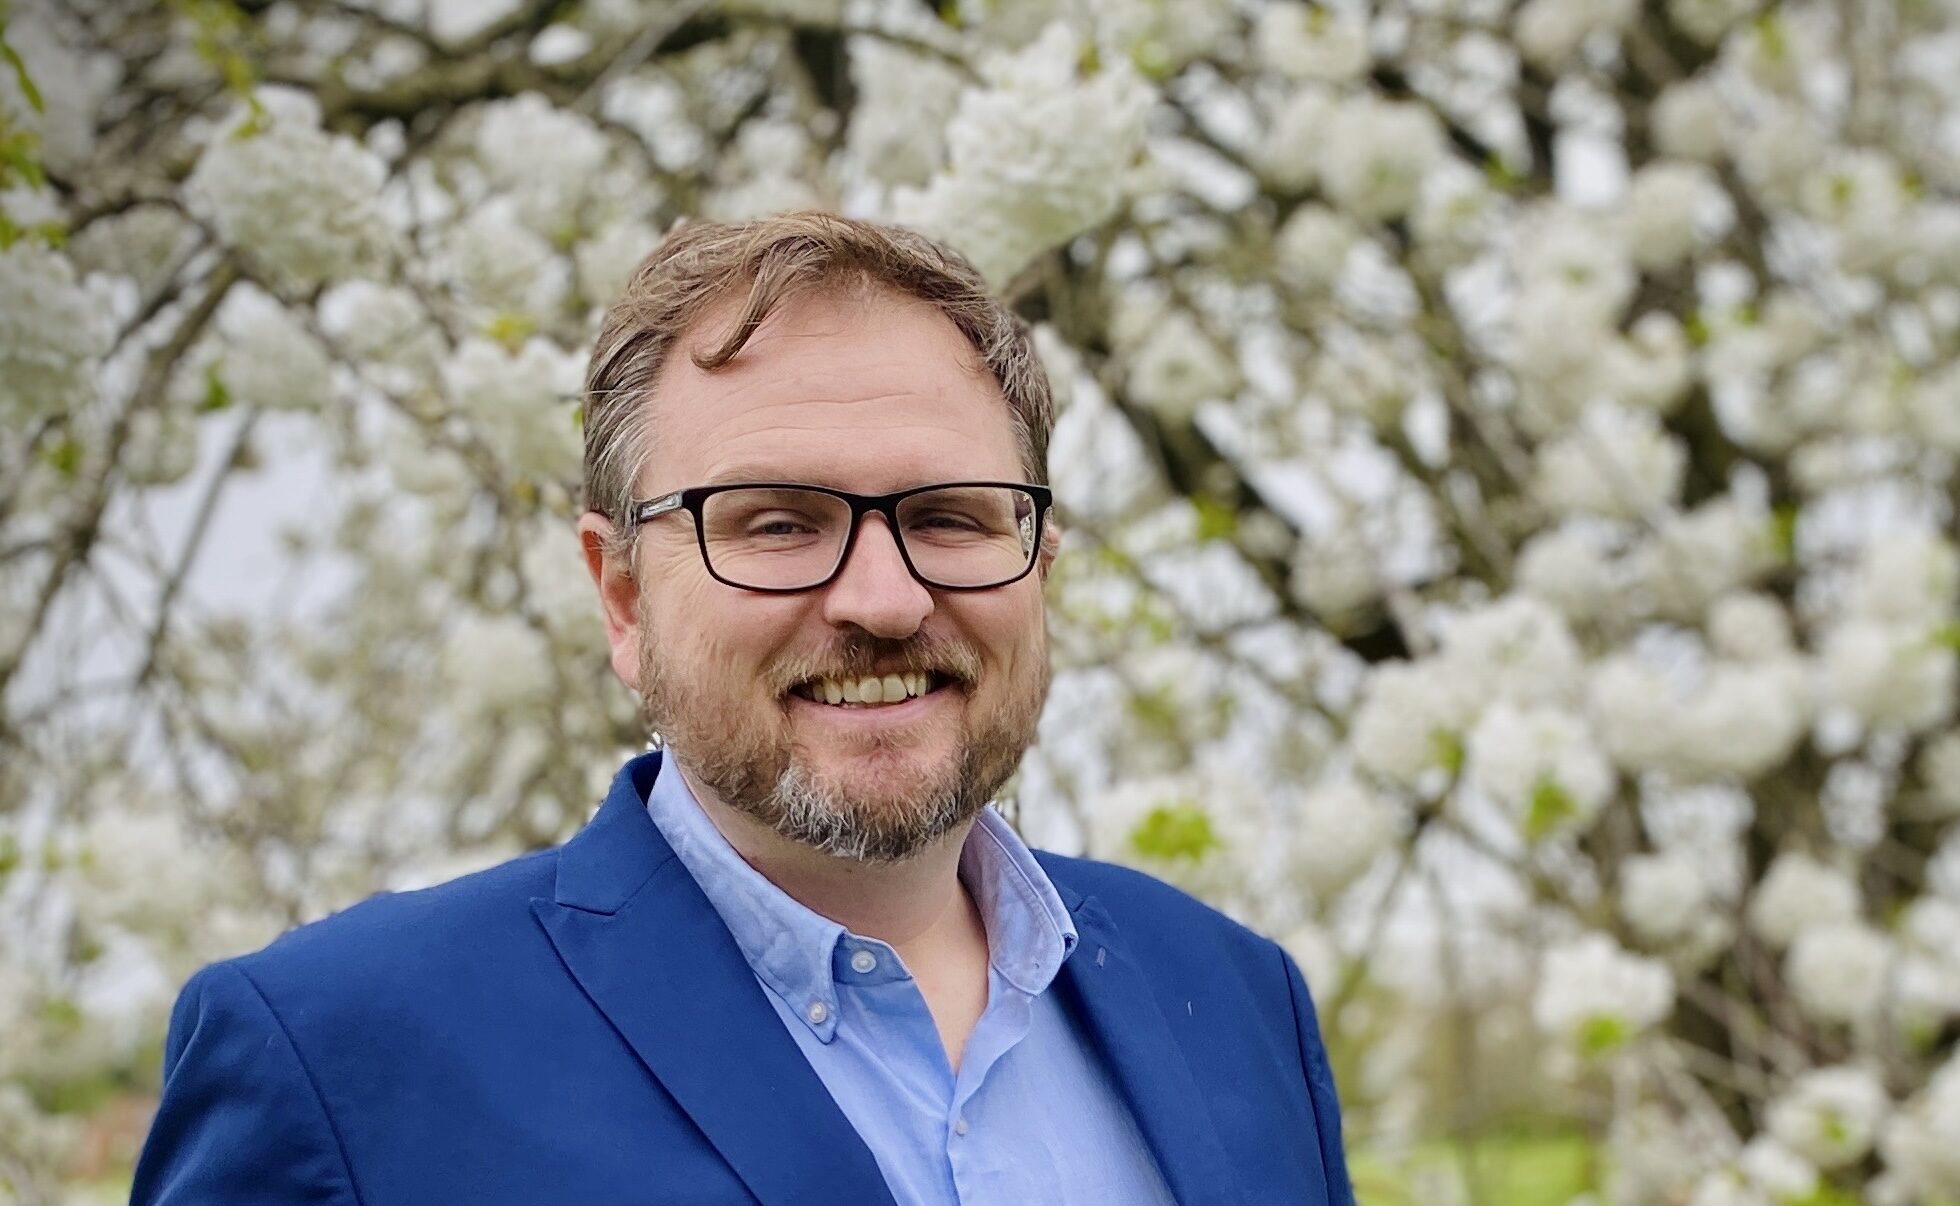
783, 537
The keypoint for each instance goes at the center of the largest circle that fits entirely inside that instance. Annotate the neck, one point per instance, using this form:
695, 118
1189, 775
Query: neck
919, 901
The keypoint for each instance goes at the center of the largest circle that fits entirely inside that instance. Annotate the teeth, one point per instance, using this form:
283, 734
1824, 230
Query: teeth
890, 688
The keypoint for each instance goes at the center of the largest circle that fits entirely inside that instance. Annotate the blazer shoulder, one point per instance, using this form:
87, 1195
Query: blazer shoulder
421, 937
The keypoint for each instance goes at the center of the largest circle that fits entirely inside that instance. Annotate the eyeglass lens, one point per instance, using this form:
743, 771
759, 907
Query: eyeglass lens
785, 539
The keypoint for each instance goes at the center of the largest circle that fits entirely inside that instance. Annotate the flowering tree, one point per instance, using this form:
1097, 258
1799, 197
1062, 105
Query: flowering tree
1508, 453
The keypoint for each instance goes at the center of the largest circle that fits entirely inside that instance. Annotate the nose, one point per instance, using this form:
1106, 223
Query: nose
873, 590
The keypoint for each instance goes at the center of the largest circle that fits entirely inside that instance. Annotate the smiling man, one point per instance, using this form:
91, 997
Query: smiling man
795, 958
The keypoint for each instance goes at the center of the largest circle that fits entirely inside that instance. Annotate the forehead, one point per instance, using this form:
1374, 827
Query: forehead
867, 391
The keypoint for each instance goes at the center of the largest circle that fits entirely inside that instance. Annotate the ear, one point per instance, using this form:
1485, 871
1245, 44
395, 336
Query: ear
619, 594
1051, 544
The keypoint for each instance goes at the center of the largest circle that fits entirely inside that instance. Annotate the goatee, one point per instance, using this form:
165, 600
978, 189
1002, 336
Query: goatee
753, 764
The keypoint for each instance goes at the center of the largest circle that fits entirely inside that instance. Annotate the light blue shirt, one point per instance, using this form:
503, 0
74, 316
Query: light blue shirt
1032, 1116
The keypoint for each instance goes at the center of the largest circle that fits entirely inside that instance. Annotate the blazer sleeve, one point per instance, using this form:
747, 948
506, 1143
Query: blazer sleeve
241, 1120
1320, 1087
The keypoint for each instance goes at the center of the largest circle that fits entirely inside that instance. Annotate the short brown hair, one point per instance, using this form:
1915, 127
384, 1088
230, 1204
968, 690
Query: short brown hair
779, 258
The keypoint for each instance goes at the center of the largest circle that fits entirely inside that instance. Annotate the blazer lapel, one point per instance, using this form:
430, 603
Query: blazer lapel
649, 949
1113, 997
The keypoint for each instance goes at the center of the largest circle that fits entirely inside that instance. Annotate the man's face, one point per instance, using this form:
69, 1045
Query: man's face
867, 394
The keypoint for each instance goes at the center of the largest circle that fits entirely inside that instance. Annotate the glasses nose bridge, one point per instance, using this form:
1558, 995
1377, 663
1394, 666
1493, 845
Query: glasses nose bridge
861, 508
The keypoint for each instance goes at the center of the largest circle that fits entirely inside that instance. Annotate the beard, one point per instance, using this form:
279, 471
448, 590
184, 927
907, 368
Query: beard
751, 760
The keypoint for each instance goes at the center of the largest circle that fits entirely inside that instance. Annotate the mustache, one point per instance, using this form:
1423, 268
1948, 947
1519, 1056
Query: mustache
859, 655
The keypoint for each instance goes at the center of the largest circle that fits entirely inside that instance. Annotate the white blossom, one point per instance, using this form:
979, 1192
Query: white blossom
386, 325
1921, 1141
1570, 568
1743, 719
53, 331
1516, 648
1749, 627
1799, 894
1312, 247
1289, 154
1343, 825
1550, 31
1177, 365
1411, 719
1034, 157
496, 662
1891, 674
1311, 42
1697, 556
1765, 1173
1652, 367
303, 203
500, 266
72, 84
1838, 970
1375, 153
1672, 210
1688, 119
1830, 1116
259, 355
1909, 575
1662, 895
546, 157
521, 402
606, 261
1615, 463
905, 101
1595, 996
1542, 765
1707, 20
454, 23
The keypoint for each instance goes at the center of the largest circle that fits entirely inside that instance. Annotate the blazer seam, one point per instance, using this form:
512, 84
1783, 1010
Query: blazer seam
313, 1085
1295, 983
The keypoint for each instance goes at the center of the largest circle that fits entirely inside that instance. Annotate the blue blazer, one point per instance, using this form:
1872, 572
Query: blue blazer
577, 1026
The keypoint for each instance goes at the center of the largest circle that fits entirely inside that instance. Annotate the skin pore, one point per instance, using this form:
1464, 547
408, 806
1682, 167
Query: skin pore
868, 391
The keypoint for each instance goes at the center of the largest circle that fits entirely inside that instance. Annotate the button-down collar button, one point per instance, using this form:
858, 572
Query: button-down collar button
864, 962
959, 1127
817, 1012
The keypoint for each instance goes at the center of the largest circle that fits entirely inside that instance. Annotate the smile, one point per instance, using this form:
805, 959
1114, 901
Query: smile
869, 691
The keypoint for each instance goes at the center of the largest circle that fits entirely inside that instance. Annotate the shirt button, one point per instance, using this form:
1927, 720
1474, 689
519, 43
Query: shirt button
864, 962
818, 1012
959, 1127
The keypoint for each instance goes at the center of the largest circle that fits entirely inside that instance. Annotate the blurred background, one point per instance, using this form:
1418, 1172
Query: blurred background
1507, 452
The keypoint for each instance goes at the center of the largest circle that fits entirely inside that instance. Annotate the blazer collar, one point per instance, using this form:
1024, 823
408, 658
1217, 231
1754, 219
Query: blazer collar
1109, 991
624, 908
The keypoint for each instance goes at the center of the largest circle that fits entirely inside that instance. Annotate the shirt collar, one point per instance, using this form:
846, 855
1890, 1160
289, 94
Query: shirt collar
802, 955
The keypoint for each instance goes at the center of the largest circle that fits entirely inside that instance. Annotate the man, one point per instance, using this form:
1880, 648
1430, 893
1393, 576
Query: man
794, 959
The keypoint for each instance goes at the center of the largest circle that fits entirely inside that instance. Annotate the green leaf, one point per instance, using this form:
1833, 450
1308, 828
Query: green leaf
510, 329
217, 395
65, 457
1449, 751
1783, 532
1551, 805
1216, 520
1948, 636
1602, 1035
1178, 832
27, 88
